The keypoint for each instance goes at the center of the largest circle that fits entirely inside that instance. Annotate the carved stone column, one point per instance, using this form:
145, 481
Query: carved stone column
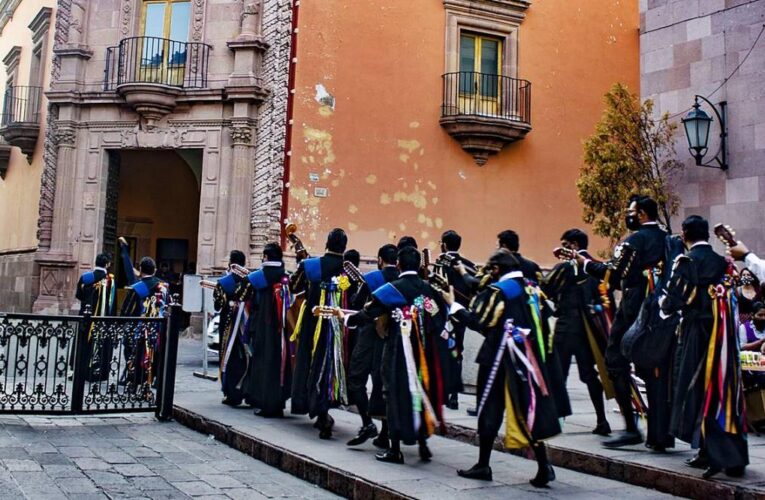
245, 82
57, 267
240, 191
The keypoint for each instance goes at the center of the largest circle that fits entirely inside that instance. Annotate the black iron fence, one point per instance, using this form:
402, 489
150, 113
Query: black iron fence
21, 104
481, 94
87, 364
147, 59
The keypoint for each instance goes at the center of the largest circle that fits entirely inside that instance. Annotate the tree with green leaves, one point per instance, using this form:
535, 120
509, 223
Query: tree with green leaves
631, 152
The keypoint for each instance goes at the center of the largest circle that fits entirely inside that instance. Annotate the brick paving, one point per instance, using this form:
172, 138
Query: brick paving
130, 456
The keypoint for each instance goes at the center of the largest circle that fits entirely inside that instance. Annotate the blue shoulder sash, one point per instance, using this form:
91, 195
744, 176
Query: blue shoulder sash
228, 283
509, 288
374, 280
88, 278
313, 269
141, 289
390, 296
258, 279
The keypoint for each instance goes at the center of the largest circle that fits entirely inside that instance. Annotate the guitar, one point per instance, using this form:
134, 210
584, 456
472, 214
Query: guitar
353, 273
726, 234
240, 271
328, 312
564, 253
300, 254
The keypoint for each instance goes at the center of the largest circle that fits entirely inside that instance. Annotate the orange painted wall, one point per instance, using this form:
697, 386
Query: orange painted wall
392, 170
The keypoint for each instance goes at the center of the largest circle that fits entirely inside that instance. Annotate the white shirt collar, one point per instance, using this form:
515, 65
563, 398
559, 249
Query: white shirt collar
452, 252
700, 244
650, 223
97, 268
388, 265
272, 264
407, 273
511, 275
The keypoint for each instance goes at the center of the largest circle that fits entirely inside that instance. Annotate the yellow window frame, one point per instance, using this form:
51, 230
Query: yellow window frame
476, 100
175, 72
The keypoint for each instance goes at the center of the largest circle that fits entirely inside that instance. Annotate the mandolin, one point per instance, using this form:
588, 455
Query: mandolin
353, 273
564, 253
726, 234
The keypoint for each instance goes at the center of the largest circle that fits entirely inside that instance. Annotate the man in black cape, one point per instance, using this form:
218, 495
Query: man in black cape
147, 297
367, 354
318, 357
451, 242
510, 241
268, 381
575, 294
233, 354
709, 401
96, 290
635, 263
513, 382
411, 365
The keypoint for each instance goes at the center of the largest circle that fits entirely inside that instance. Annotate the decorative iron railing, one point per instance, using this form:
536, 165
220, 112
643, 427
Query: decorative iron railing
481, 94
147, 59
86, 364
21, 104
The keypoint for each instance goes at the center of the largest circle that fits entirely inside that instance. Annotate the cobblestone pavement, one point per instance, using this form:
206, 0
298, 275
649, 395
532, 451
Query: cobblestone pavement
130, 456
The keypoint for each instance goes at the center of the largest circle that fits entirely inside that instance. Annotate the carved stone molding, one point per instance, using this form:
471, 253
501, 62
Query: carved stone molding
149, 100
65, 137
198, 21
153, 139
500, 10
483, 136
241, 134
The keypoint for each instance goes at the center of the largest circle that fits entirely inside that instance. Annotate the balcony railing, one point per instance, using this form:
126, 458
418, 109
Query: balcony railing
146, 59
21, 105
485, 95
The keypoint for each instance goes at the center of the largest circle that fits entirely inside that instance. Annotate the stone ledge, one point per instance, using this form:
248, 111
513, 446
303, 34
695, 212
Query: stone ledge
682, 485
329, 478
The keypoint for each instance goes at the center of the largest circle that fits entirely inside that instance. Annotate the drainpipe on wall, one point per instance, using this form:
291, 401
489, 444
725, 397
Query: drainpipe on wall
290, 114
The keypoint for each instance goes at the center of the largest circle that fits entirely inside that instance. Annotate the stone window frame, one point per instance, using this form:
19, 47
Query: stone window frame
40, 27
11, 62
496, 18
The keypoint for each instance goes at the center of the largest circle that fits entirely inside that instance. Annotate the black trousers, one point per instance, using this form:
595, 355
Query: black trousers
575, 344
365, 361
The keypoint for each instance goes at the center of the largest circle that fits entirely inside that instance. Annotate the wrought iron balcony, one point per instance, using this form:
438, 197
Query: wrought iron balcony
20, 120
150, 72
485, 112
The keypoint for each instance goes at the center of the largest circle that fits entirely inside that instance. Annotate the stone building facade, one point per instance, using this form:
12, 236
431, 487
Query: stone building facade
689, 47
167, 126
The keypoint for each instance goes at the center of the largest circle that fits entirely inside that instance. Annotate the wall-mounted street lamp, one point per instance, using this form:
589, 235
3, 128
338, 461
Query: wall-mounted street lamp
697, 124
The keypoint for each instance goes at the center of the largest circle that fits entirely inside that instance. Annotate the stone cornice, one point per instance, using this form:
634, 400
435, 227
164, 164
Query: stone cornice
508, 10
11, 59
40, 24
7, 9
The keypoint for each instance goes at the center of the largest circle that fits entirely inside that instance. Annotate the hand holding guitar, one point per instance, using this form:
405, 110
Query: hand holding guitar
727, 235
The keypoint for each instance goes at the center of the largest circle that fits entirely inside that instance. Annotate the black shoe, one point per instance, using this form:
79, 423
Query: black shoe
602, 429
390, 457
381, 442
231, 402
698, 462
425, 453
269, 414
476, 472
325, 433
711, 471
453, 403
365, 432
472, 412
544, 477
626, 438
737, 471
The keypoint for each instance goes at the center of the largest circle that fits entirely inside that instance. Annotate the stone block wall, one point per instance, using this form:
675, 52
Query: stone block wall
18, 279
690, 47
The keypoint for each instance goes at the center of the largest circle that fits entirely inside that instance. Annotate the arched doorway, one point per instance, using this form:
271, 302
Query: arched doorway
153, 202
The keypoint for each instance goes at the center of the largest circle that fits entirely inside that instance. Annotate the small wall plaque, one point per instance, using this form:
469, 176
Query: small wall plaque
320, 192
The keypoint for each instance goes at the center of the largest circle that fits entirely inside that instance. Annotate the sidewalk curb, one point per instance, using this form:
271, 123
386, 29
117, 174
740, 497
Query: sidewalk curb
329, 478
678, 484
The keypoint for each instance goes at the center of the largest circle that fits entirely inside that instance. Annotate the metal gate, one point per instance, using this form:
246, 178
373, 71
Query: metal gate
86, 364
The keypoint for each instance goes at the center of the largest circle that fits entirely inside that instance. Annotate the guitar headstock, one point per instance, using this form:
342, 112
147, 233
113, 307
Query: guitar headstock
240, 271
564, 253
353, 272
325, 311
726, 234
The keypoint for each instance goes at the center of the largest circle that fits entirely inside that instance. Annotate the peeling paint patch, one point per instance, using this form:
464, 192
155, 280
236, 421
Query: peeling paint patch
326, 100
353, 209
319, 142
385, 199
391, 236
434, 200
414, 125
403, 157
352, 226
371, 179
402, 226
439, 222
410, 146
